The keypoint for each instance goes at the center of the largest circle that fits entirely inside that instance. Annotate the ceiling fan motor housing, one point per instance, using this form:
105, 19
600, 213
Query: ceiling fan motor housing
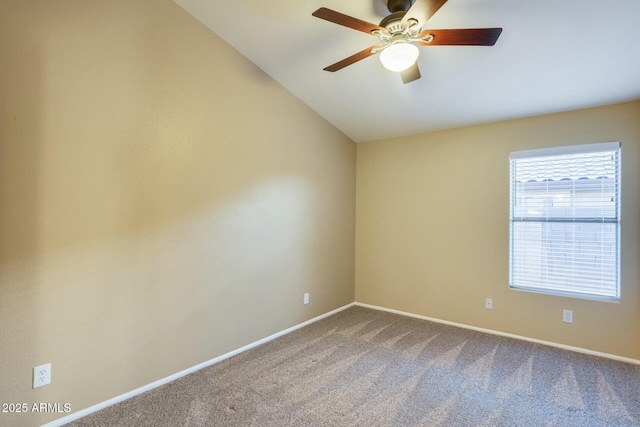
393, 22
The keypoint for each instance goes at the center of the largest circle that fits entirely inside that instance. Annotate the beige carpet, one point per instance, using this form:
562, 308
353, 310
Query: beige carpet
362, 367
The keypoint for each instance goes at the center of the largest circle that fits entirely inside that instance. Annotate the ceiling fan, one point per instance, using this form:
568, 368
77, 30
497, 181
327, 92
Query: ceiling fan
399, 31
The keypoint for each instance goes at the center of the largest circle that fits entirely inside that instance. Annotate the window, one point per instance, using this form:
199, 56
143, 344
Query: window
565, 220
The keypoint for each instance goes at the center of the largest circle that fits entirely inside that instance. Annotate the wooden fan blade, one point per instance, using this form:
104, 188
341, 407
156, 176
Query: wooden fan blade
464, 37
365, 53
346, 20
410, 74
422, 10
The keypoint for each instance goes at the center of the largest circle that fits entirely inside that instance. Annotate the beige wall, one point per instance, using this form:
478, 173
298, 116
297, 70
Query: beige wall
162, 200
432, 229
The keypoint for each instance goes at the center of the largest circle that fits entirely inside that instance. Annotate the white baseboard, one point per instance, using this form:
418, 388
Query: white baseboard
97, 407
504, 334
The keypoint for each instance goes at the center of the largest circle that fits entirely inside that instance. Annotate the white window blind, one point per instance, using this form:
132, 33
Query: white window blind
565, 220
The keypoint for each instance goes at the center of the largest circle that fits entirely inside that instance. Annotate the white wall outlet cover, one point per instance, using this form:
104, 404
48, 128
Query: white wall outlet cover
567, 316
306, 298
41, 375
488, 303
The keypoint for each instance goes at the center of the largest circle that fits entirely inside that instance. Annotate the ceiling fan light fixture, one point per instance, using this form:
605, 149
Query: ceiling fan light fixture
399, 56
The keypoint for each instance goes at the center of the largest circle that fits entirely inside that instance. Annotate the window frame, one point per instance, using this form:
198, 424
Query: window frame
616, 148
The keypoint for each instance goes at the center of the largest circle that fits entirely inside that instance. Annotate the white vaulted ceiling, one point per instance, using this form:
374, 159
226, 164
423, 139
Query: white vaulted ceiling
552, 56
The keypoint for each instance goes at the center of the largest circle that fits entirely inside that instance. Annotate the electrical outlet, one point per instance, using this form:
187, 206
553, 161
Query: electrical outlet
306, 298
488, 303
567, 316
41, 375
